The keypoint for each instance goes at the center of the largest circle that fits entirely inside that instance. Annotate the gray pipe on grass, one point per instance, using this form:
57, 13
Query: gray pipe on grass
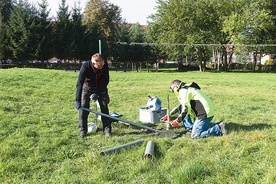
149, 152
118, 148
122, 120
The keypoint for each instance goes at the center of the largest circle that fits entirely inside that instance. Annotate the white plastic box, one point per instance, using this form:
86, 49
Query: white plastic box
151, 116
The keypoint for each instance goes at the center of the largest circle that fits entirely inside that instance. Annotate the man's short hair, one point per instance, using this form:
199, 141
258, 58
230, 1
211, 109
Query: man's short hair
96, 58
174, 83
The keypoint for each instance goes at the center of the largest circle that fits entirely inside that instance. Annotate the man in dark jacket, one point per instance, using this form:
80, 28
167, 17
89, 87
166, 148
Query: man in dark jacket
92, 85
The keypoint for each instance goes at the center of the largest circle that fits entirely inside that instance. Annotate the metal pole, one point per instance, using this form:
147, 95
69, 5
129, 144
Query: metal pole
118, 148
100, 47
149, 153
168, 113
122, 120
166, 133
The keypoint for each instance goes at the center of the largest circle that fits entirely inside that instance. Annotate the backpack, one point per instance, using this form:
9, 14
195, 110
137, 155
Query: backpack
154, 103
193, 85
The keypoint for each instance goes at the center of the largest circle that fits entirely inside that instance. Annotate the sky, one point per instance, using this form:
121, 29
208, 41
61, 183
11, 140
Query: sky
133, 11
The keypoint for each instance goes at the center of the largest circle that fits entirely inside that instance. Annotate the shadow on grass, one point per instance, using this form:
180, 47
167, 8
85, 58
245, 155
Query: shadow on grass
158, 153
174, 70
135, 133
231, 126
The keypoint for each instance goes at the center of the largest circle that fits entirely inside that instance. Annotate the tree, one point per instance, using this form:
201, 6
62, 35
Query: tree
138, 53
21, 31
122, 51
5, 11
76, 46
129, 50
271, 38
152, 31
62, 32
189, 22
101, 19
44, 33
246, 21
250, 24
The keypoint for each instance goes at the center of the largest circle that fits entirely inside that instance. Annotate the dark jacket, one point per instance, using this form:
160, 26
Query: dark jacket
96, 79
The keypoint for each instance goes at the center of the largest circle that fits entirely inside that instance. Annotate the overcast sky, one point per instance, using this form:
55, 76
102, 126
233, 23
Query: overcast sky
133, 11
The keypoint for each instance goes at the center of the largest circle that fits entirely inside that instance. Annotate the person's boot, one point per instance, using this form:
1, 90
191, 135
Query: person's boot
188, 131
82, 134
107, 131
223, 129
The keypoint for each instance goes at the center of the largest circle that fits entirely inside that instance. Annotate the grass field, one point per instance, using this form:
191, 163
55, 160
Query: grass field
39, 140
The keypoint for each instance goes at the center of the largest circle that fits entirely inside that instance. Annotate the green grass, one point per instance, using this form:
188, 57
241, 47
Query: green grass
39, 140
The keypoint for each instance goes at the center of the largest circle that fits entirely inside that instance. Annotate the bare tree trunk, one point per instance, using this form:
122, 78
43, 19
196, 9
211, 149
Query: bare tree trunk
157, 66
218, 60
202, 64
213, 58
125, 66
224, 58
255, 60
137, 67
260, 63
230, 60
147, 67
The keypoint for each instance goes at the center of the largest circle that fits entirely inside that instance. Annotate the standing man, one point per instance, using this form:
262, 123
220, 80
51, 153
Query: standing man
92, 85
198, 106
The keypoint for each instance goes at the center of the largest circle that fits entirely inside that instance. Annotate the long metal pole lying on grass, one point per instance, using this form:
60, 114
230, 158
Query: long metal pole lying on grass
167, 133
122, 120
118, 148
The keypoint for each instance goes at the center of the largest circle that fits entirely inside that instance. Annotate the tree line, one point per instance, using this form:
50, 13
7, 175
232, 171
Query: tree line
225, 22
28, 33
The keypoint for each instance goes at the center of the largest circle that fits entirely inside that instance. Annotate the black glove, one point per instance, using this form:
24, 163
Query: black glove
94, 97
77, 105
